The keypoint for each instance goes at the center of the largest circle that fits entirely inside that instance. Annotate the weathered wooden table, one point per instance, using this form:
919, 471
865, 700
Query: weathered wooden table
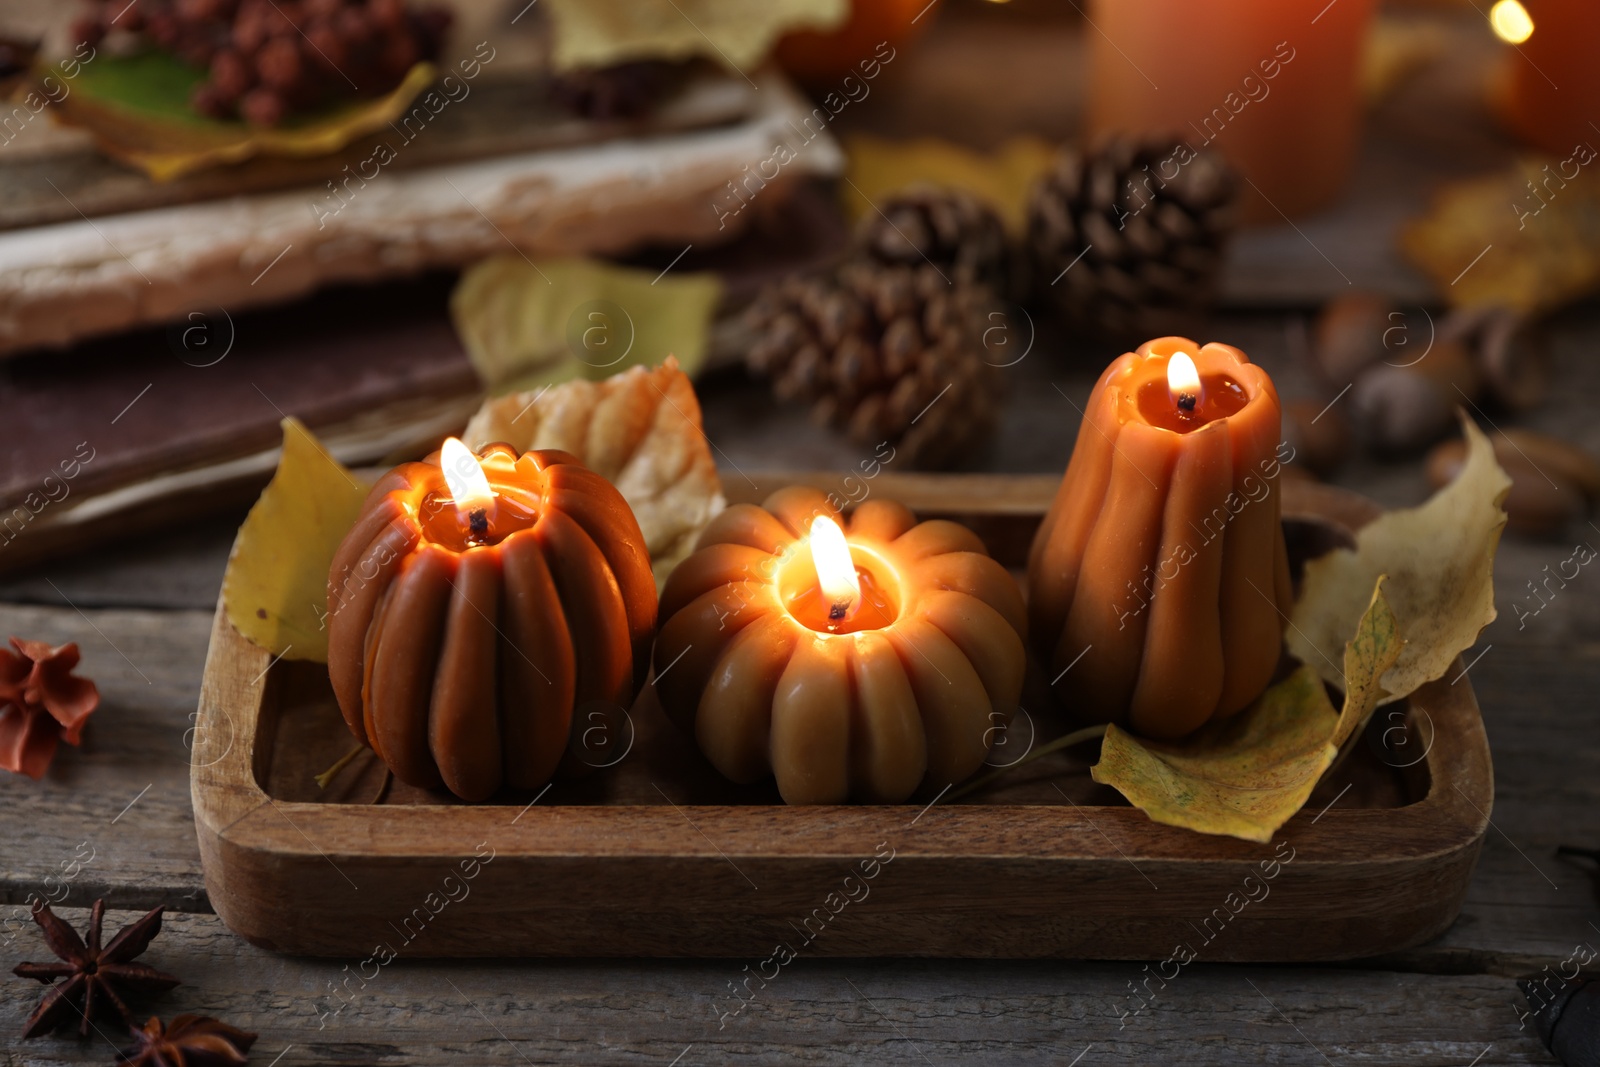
113, 818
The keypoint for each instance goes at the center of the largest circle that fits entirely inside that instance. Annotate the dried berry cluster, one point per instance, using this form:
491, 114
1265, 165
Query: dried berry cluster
270, 58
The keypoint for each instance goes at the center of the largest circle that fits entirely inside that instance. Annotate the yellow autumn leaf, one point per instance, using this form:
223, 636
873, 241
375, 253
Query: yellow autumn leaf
1440, 561
639, 430
1247, 776
137, 109
276, 587
527, 325
734, 33
877, 169
1527, 238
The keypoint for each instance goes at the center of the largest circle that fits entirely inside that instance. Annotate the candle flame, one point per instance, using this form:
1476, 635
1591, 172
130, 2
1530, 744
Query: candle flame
1511, 21
1183, 381
469, 486
836, 571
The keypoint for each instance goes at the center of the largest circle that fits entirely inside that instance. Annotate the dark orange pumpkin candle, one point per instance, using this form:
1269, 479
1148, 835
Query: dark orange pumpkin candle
475, 604
1159, 582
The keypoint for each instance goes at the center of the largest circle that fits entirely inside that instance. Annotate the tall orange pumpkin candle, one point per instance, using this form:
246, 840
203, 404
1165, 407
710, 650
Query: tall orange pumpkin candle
478, 601
1159, 581
850, 658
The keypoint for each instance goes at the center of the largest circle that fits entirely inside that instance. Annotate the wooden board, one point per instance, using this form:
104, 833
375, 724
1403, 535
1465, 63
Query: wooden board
507, 116
79, 278
656, 858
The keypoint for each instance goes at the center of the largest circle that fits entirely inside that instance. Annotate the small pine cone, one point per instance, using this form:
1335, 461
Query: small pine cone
952, 229
624, 91
888, 353
1127, 241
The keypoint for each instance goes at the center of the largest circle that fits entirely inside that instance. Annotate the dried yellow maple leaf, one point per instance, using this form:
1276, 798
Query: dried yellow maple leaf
1247, 776
1440, 561
877, 169
276, 587
137, 109
640, 430
527, 325
735, 33
1528, 238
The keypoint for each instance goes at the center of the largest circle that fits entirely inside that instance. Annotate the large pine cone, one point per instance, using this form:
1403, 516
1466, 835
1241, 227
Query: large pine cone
949, 228
892, 354
1127, 241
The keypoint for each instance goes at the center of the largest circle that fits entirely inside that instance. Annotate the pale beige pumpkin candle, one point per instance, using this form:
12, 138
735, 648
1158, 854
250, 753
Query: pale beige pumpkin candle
1159, 582
852, 658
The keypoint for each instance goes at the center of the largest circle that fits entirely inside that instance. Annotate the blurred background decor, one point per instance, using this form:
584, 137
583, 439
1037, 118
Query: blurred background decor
784, 203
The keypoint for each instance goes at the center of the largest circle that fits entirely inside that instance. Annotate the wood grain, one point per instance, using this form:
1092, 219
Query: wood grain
695, 875
506, 117
81, 278
816, 1011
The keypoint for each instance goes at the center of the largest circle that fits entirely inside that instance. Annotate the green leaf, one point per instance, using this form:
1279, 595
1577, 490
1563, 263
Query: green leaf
527, 325
137, 109
734, 33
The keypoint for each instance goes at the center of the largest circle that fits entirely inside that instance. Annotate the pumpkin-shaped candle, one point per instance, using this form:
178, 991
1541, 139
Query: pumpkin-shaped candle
475, 603
1158, 584
851, 658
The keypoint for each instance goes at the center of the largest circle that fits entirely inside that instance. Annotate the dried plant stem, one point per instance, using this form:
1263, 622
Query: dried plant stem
383, 790
1076, 737
344, 761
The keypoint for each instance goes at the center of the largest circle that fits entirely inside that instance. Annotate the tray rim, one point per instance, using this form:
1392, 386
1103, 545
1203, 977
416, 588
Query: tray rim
241, 827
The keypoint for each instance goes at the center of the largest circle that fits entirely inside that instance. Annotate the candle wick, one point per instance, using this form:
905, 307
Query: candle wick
478, 521
838, 610
1187, 401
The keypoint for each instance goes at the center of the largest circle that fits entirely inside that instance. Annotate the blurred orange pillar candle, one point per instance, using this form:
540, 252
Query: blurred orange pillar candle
851, 658
1159, 581
1271, 84
1552, 90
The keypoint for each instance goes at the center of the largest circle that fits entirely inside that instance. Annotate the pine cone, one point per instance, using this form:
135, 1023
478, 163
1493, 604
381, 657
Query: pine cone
1127, 241
890, 353
949, 228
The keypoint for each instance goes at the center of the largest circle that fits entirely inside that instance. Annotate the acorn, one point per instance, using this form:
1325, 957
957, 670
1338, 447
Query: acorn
1401, 408
1319, 434
1348, 337
1566, 1017
1398, 410
1552, 482
1512, 351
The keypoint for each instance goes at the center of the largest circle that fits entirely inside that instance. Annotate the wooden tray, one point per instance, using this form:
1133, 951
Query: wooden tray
656, 857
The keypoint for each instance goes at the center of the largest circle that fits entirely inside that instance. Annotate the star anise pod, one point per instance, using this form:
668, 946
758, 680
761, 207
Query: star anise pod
191, 1041
96, 977
41, 703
